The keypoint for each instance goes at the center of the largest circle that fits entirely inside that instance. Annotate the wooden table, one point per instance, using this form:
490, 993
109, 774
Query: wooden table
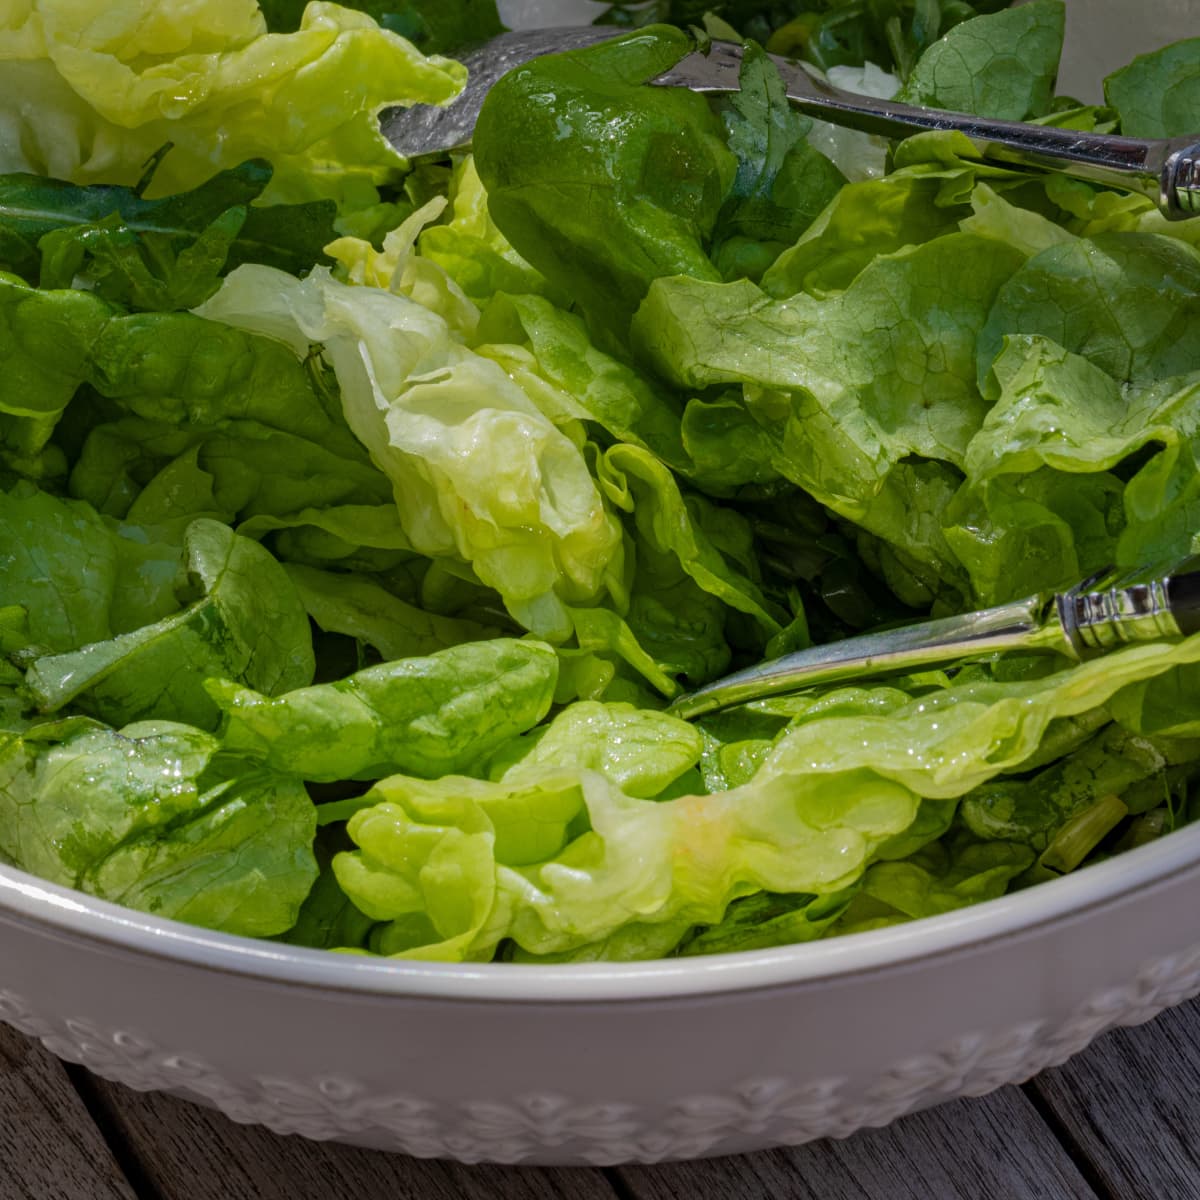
1119, 1122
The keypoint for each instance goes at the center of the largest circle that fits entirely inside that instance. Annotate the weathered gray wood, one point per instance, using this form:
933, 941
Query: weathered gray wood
987, 1149
49, 1145
1131, 1104
191, 1153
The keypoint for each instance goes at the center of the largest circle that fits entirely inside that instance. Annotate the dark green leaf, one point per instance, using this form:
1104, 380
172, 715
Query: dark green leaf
435, 26
1002, 65
142, 817
1158, 95
290, 237
574, 143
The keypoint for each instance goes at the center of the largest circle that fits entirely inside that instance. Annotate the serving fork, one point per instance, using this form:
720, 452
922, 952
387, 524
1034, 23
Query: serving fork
1112, 608
1165, 169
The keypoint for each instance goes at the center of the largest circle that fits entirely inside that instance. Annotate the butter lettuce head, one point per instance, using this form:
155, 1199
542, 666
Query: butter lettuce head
89, 92
557, 856
479, 474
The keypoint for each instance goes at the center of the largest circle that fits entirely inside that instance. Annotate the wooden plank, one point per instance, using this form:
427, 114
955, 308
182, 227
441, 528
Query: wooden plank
191, 1153
982, 1149
49, 1145
1130, 1106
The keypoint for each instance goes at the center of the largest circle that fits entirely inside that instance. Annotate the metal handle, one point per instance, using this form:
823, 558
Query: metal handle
1168, 171
1119, 606
1019, 625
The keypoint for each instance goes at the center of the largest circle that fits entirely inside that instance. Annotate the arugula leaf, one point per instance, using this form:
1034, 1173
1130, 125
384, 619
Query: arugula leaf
212, 228
122, 268
765, 134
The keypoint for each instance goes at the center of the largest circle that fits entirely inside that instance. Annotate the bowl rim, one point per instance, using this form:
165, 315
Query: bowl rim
33, 901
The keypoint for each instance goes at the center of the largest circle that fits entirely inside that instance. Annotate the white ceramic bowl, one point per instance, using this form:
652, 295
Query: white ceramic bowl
610, 1063
606, 1063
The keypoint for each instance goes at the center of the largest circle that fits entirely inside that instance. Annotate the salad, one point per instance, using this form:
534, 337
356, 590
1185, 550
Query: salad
359, 518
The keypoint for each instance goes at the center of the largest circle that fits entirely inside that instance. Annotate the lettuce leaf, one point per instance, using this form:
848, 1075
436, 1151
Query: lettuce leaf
587, 384
766, 919
444, 712
552, 185
357, 607
171, 366
1127, 301
642, 751
1033, 811
955, 382
248, 624
145, 817
90, 100
867, 219
479, 474
944, 876
871, 412
78, 577
246, 471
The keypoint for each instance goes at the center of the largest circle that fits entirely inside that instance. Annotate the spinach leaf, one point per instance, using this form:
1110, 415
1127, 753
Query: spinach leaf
1158, 95
1001, 65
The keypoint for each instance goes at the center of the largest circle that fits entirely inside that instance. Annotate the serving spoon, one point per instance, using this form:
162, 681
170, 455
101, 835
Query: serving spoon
1105, 611
1165, 169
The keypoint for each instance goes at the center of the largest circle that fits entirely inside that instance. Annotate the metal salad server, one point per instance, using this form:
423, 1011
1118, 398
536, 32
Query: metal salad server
1105, 611
1166, 170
